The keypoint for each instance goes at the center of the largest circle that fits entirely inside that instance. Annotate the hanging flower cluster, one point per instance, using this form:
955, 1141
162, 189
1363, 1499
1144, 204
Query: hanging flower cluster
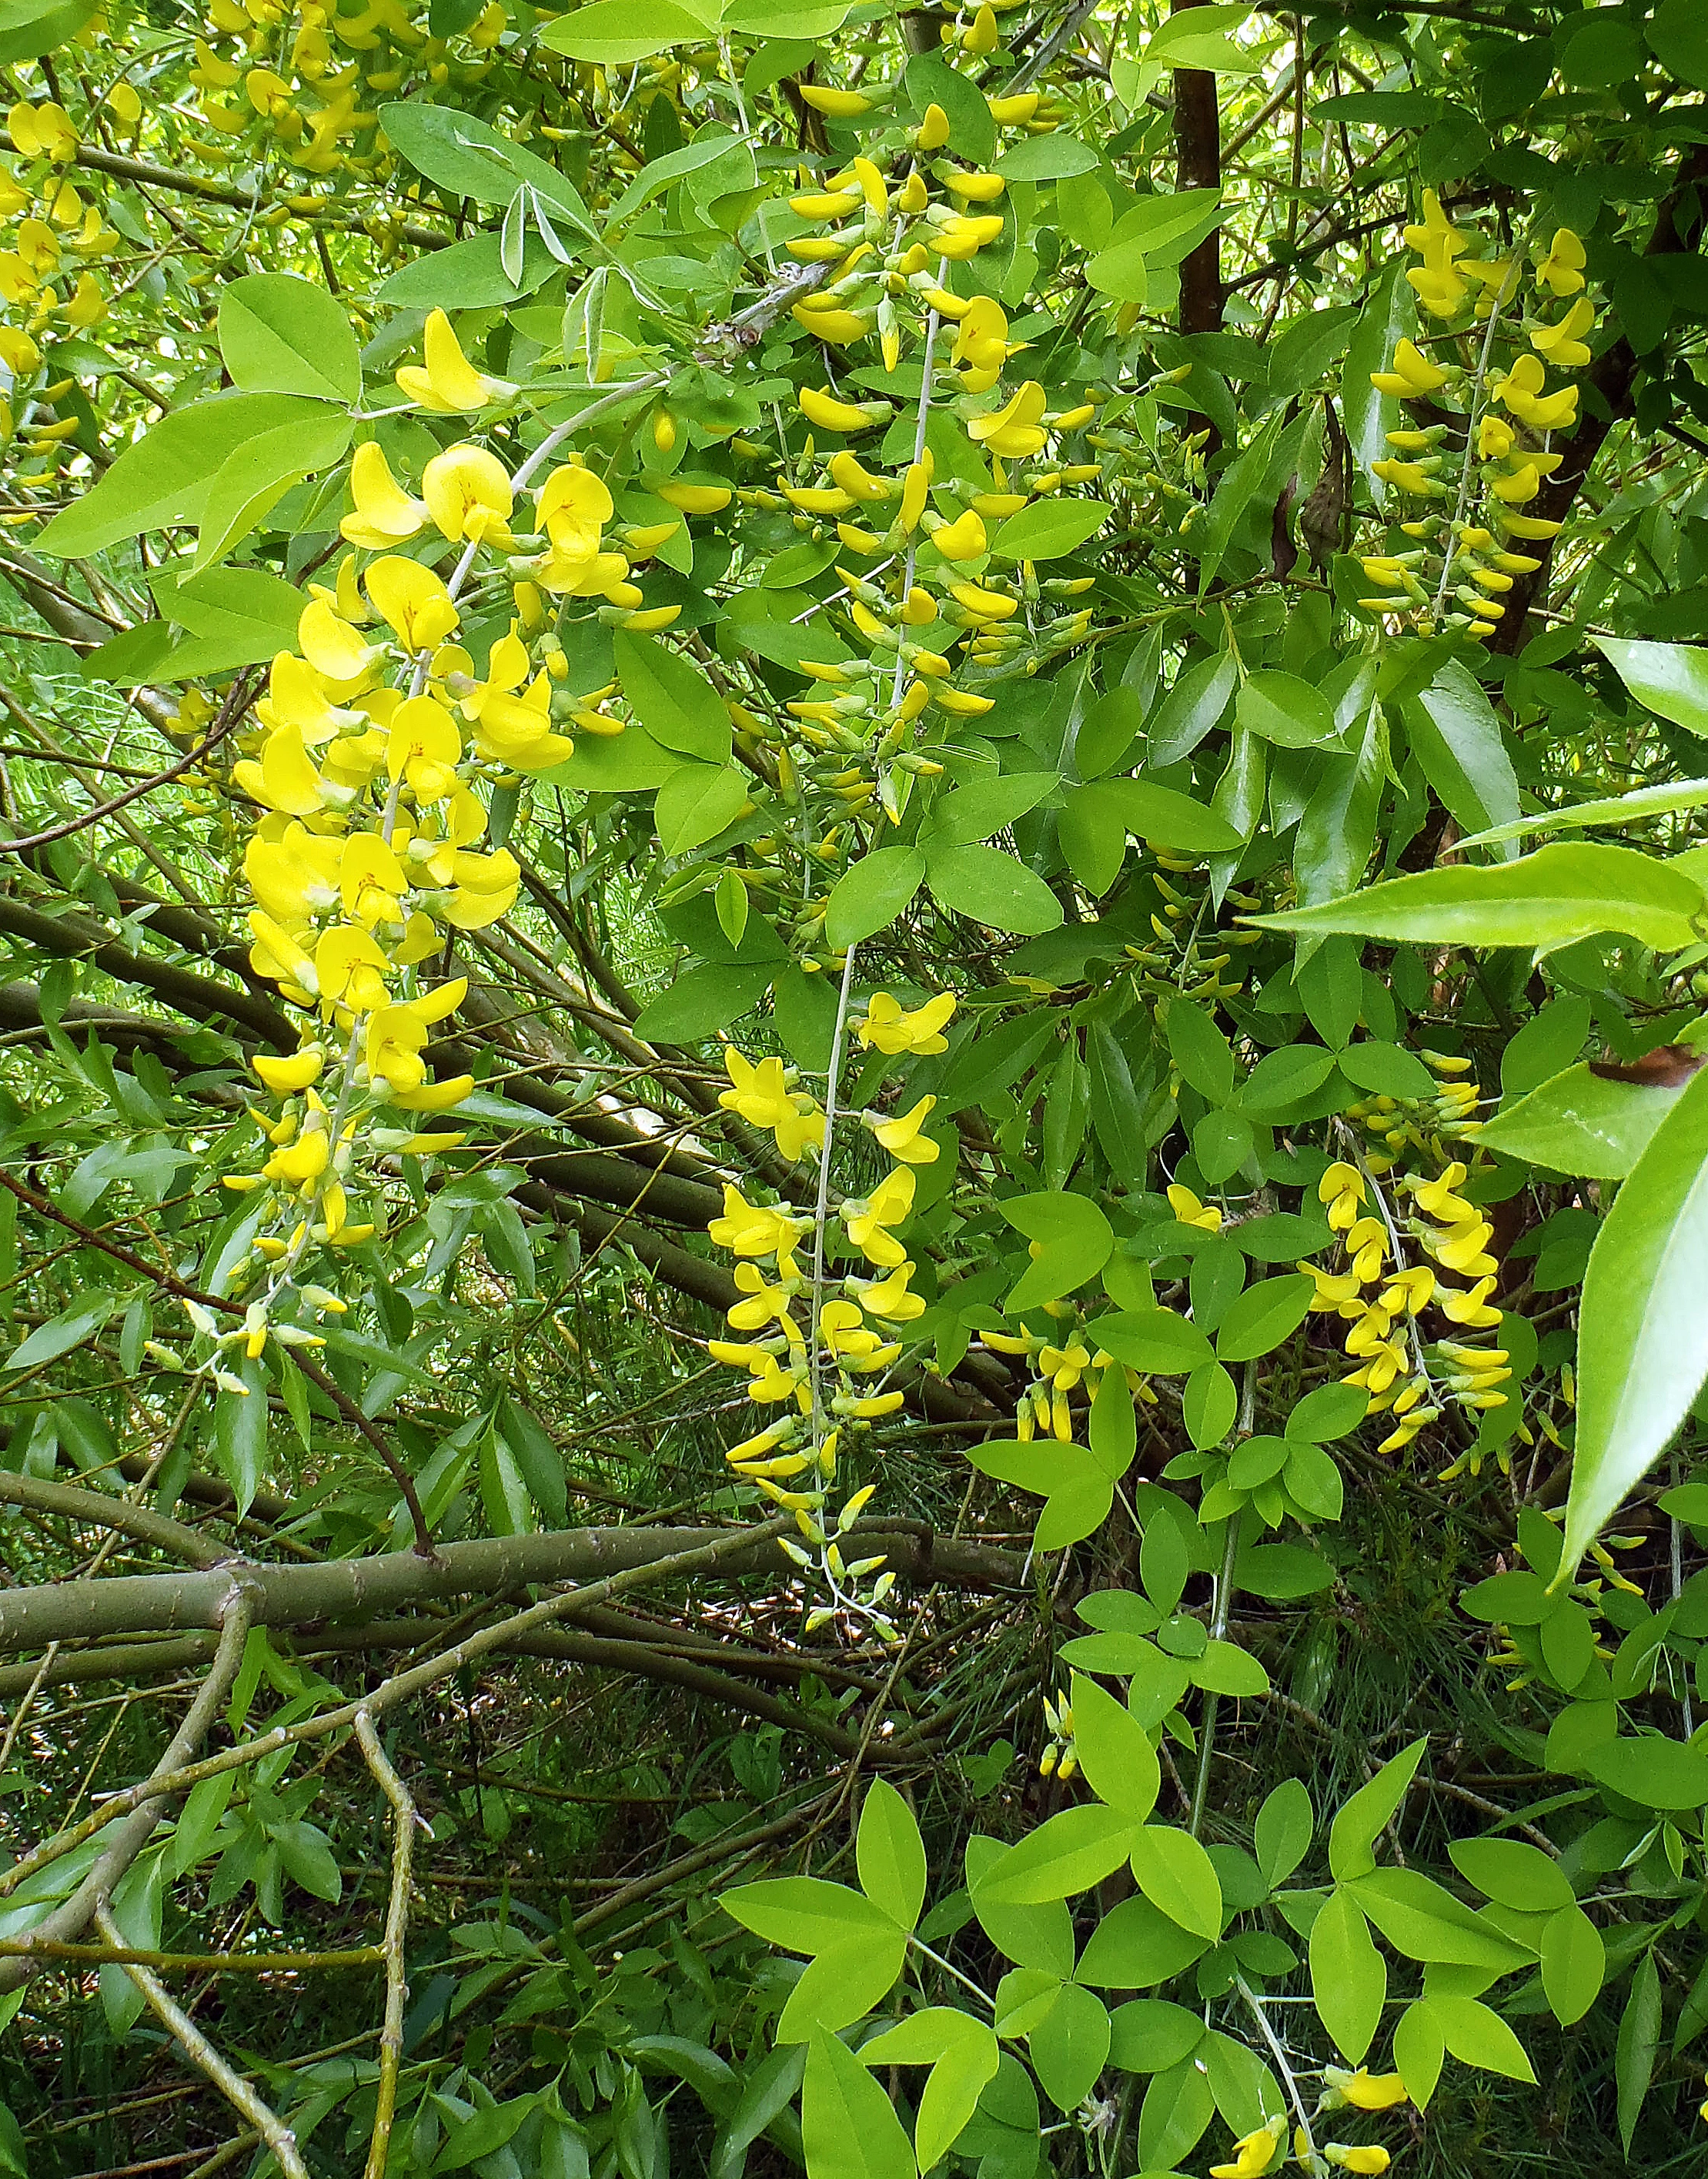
369, 753
54, 235
815, 1348
303, 78
1264, 2151
931, 610
1480, 448
1403, 1246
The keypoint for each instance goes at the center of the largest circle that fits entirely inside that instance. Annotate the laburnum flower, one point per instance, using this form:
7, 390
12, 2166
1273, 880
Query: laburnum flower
468, 495
42, 132
888, 1027
484, 888
371, 882
285, 778
1564, 344
1562, 271
761, 1096
1470, 1309
1410, 376
764, 1304
1363, 2089
350, 969
1342, 1189
514, 727
330, 645
297, 697
1013, 431
296, 876
1520, 391
753, 1229
412, 601
450, 385
901, 1136
889, 1298
1188, 1211
866, 1220
963, 539
395, 1034
284, 1076
1370, 2161
981, 344
1253, 2153
424, 747
385, 513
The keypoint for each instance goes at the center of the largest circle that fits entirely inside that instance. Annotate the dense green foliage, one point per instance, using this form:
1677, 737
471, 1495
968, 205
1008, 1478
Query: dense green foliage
852, 1210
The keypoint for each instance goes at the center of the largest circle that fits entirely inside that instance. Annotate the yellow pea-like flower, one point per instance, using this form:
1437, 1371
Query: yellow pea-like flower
449, 385
963, 539
821, 407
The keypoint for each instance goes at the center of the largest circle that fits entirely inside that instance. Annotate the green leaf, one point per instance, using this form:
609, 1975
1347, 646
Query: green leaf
1049, 528
702, 1001
673, 701
236, 617
1362, 1821
964, 2056
1041, 1937
1550, 899
872, 893
1155, 1341
1580, 1123
983, 807
842, 1986
164, 478
992, 888
806, 1913
1179, 1878
849, 2125
1653, 1771
240, 1433
1512, 1873
1282, 1835
1200, 1051
891, 1855
504, 1497
1419, 2048
1642, 1333
1456, 736
254, 476
1633, 809
1670, 679
34, 27
278, 334
698, 802
614, 33
1115, 1753
1226, 1669
72, 1327
1075, 1241
1336, 830
1263, 1317
1281, 708
1067, 1853
468, 157
1574, 1964
1639, 2038
1166, 818
1069, 2045
1137, 1947
1349, 1980
1424, 1921
1478, 2036
1389, 313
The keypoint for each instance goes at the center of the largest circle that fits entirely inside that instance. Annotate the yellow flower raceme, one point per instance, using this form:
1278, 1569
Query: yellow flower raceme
889, 1029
